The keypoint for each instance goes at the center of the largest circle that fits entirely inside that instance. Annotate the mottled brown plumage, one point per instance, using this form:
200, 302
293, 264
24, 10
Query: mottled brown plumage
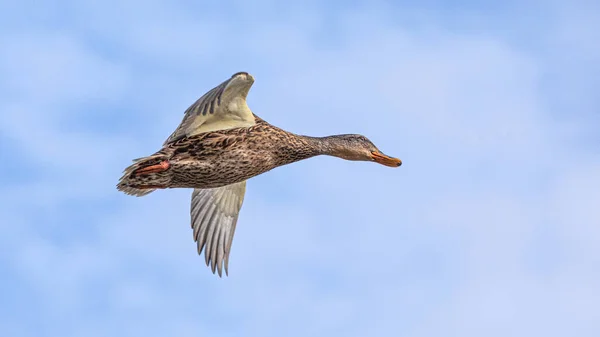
218, 146
220, 158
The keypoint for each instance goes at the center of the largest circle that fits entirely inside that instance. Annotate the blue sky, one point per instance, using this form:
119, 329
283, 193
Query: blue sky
490, 228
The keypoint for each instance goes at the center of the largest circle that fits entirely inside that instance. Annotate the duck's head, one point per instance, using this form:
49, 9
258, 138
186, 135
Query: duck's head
359, 147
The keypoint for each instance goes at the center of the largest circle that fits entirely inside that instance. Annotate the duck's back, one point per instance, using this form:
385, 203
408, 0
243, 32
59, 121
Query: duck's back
225, 157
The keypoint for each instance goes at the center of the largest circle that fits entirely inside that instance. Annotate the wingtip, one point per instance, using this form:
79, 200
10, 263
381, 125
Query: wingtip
240, 83
243, 75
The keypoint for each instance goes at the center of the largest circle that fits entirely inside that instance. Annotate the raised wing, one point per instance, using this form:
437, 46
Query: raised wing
223, 107
214, 213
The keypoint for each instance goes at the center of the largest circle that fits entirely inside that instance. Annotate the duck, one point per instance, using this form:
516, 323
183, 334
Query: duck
217, 147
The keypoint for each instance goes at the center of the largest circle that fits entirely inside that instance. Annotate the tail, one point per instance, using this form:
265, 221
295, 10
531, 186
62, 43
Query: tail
145, 175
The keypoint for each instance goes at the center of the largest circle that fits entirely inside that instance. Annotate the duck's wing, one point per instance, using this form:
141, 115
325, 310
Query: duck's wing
214, 213
223, 107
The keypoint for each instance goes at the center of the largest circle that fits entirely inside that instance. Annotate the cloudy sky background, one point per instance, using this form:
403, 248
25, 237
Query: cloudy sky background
490, 228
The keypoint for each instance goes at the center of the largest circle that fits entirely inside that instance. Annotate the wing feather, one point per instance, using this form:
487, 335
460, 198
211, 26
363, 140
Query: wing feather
222, 107
214, 213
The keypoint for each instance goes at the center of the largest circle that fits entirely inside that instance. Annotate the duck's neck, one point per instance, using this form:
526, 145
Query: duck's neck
293, 147
335, 146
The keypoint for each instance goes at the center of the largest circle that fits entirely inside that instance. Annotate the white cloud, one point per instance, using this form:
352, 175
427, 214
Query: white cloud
58, 68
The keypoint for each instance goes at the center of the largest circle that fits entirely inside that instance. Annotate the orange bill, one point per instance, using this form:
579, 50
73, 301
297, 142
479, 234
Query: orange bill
386, 160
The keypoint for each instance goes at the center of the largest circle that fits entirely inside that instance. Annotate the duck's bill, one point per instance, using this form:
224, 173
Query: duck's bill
386, 160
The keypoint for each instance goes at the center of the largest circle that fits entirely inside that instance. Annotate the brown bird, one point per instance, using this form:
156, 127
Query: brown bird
217, 147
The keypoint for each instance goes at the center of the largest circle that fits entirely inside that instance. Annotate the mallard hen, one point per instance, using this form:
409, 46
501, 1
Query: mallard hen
217, 147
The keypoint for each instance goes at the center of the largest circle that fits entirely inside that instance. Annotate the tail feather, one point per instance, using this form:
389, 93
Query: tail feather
132, 184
